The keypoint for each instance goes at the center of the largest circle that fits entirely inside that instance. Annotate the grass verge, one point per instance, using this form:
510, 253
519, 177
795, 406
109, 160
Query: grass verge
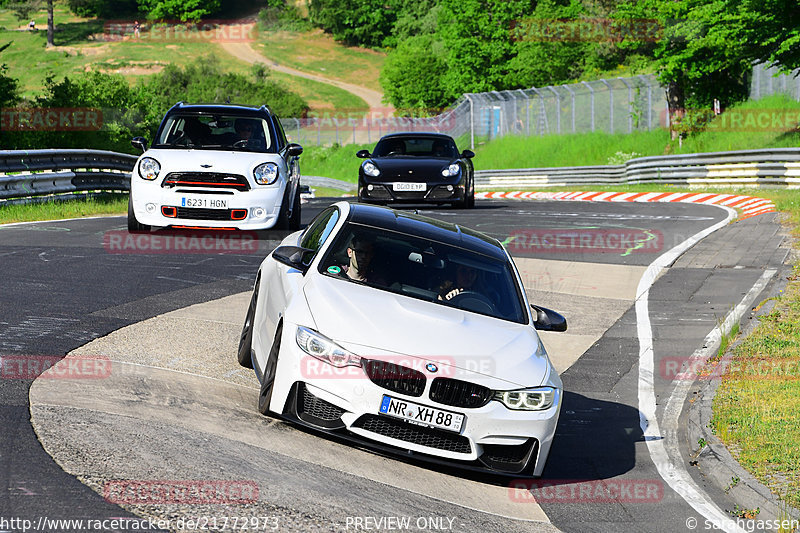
106, 204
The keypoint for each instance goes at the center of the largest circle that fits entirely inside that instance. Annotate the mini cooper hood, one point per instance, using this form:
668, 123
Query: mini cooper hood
354, 314
410, 168
178, 160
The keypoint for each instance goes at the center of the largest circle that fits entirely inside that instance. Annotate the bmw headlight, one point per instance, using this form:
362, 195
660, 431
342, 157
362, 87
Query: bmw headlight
452, 170
266, 173
538, 399
324, 349
149, 168
370, 169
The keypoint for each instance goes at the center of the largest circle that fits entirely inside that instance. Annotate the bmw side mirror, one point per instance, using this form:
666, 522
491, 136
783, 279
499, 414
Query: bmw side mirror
294, 149
295, 257
469, 154
140, 143
363, 154
548, 320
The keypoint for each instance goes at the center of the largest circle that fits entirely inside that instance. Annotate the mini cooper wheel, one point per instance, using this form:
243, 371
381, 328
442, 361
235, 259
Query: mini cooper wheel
268, 378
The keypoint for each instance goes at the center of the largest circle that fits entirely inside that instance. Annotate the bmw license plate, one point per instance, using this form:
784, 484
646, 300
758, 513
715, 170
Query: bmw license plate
204, 202
404, 186
421, 414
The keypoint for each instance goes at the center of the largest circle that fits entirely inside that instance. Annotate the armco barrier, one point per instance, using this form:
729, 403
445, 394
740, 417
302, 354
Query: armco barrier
778, 167
48, 172
38, 173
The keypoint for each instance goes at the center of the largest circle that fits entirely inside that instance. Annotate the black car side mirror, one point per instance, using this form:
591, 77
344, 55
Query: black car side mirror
363, 154
294, 149
548, 320
140, 143
295, 257
469, 154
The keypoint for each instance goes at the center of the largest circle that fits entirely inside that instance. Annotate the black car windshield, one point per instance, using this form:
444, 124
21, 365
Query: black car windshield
441, 147
426, 270
215, 132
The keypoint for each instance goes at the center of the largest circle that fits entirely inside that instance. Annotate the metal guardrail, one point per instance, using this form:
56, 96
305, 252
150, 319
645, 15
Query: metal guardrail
50, 172
773, 167
38, 173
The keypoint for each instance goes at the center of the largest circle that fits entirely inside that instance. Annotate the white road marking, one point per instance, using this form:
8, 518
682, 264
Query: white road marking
669, 465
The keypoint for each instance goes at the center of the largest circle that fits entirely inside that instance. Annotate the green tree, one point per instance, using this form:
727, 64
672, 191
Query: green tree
184, 10
412, 75
355, 22
24, 9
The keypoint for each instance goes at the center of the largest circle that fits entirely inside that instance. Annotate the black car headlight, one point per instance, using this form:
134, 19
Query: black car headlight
452, 170
149, 168
371, 169
538, 399
266, 173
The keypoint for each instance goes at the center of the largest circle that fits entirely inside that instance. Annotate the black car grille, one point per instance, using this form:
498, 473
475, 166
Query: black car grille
395, 378
208, 180
420, 435
199, 213
459, 393
509, 458
319, 408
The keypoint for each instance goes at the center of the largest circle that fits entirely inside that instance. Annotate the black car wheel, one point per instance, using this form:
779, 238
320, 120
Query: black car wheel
134, 226
287, 221
268, 379
471, 195
246, 340
294, 220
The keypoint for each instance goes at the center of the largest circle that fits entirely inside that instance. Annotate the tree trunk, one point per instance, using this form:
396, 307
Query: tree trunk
676, 104
50, 25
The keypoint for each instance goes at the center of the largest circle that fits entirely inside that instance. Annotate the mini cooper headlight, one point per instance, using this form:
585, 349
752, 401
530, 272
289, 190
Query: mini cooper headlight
324, 349
149, 168
452, 170
539, 399
266, 173
370, 169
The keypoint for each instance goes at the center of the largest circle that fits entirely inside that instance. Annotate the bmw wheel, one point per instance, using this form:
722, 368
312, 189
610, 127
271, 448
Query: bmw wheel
246, 339
268, 379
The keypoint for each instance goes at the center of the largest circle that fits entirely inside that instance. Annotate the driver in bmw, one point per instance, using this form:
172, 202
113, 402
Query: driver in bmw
466, 278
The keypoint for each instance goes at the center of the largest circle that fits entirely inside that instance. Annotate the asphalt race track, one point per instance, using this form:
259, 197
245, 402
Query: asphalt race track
175, 406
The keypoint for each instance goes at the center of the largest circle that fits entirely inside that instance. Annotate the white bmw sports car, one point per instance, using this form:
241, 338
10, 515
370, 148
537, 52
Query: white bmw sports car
407, 334
216, 166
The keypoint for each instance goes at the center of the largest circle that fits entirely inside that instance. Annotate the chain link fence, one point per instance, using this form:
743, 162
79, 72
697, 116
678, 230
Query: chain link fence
618, 105
767, 81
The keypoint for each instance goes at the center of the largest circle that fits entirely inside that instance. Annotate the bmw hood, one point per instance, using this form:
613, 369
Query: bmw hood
410, 168
226, 161
374, 323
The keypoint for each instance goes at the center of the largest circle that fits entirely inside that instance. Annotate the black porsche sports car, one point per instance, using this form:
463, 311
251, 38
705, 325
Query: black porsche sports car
417, 168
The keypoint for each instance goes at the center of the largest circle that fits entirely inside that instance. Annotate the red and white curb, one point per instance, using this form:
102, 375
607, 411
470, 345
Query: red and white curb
749, 206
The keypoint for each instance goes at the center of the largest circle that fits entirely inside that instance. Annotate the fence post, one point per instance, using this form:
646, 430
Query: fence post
468, 96
572, 106
649, 101
558, 108
630, 104
591, 91
610, 106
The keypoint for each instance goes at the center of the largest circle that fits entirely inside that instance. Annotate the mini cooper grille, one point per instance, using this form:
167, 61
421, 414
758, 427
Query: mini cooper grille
459, 393
208, 180
199, 213
319, 408
422, 436
395, 378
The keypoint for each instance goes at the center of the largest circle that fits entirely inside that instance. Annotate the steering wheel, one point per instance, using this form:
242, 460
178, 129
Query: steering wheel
473, 301
242, 143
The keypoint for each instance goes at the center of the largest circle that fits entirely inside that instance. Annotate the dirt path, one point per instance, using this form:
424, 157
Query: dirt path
245, 52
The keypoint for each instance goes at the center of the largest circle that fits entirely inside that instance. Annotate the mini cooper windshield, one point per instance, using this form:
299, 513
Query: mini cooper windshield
215, 132
426, 270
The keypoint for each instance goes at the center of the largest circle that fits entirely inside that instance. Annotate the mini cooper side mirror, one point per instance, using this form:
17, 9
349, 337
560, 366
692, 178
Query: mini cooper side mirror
295, 257
363, 154
140, 143
469, 154
294, 149
548, 320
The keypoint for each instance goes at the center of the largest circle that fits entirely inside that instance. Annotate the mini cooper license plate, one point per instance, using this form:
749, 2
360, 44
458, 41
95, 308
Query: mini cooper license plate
206, 203
421, 414
413, 187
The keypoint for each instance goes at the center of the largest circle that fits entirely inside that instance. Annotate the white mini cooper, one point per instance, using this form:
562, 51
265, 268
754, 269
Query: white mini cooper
216, 166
